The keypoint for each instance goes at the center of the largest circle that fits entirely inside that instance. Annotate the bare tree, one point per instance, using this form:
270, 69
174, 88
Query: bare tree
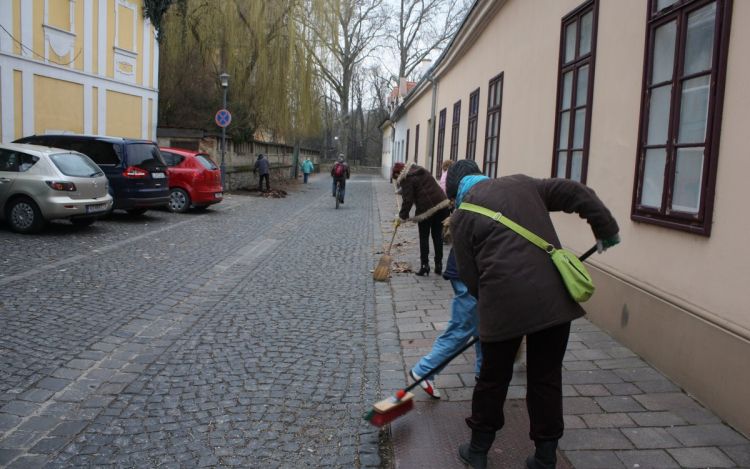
421, 27
342, 34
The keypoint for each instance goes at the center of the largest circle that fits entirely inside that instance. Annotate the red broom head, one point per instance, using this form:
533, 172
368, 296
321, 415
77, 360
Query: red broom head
379, 419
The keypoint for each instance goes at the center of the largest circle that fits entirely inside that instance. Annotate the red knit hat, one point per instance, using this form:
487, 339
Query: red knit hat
397, 168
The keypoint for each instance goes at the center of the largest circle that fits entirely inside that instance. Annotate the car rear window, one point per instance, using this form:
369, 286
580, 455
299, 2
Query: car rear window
75, 165
206, 161
145, 156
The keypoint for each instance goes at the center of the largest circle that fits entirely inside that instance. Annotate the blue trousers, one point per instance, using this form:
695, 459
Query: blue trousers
306, 176
464, 325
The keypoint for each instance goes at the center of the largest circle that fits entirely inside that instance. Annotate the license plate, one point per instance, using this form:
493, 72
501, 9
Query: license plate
96, 208
218, 195
158, 175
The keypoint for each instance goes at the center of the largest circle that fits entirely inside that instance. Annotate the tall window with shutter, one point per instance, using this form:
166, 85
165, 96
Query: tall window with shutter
574, 92
416, 145
492, 136
683, 93
471, 136
440, 143
454, 130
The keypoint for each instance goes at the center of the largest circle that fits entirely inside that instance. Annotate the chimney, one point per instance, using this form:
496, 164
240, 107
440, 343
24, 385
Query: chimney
426, 64
402, 86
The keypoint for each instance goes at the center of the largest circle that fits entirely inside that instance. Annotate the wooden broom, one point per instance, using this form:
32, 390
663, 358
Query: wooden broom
383, 270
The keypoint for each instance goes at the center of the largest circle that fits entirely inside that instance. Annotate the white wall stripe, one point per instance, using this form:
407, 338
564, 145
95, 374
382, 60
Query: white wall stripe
28, 103
154, 117
88, 112
6, 21
156, 64
88, 39
144, 118
146, 52
8, 103
102, 110
102, 67
27, 27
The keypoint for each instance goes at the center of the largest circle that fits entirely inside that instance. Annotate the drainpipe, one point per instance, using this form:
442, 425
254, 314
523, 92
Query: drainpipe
431, 145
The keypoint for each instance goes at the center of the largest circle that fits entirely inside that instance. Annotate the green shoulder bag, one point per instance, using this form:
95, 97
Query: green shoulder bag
577, 279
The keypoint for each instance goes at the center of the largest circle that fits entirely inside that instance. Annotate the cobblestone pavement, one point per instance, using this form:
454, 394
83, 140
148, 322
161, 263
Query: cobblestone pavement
619, 411
243, 336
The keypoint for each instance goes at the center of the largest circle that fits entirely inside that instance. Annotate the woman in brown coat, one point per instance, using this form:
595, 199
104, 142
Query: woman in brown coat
520, 293
420, 189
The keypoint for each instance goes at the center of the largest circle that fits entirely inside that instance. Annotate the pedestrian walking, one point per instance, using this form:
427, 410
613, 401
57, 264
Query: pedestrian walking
420, 189
462, 326
520, 293
264, 170
307, 168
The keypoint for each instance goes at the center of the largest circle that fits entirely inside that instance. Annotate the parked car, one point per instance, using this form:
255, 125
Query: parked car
135, 168
194, 180
39, 184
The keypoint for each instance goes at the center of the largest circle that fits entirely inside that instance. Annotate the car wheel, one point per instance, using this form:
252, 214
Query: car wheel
179, 201
81, 222
137, 211
24, 216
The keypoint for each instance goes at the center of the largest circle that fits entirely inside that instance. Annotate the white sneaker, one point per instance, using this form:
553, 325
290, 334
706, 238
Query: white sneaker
428, 385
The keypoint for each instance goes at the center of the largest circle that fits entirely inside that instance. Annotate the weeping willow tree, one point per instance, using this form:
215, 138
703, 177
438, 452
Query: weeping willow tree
273, 88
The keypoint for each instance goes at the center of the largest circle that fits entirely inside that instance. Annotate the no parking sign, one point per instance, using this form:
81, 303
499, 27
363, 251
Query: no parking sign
223, 118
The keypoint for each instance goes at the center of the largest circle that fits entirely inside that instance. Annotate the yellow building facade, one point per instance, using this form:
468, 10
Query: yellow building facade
80, 66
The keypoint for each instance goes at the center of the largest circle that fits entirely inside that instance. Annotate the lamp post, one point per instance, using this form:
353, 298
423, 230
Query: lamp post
224, 84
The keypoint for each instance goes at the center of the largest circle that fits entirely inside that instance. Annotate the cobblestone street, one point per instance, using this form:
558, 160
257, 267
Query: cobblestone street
242, 336
252, 335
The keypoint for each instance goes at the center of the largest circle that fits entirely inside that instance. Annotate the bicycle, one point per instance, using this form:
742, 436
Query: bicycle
338, 194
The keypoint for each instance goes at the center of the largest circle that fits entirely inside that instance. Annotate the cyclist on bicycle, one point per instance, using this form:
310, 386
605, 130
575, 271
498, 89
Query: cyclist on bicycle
340, 173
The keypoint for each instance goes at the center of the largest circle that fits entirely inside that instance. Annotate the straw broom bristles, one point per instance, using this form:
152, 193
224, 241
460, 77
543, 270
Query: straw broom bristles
383, 270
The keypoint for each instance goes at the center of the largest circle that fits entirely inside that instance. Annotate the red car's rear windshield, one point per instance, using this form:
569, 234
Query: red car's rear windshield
206, 162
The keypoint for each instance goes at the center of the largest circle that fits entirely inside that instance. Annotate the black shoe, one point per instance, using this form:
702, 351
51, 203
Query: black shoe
474, 454
438, 267
342, 201
545, 456
424, 270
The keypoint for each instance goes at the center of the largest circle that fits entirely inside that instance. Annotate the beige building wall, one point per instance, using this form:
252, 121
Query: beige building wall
678, 299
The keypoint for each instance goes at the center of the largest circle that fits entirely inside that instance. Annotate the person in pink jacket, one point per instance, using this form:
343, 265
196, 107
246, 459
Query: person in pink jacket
446, 164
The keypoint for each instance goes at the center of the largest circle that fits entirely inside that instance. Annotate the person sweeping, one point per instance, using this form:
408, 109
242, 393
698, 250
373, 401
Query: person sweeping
418, 188
520, 293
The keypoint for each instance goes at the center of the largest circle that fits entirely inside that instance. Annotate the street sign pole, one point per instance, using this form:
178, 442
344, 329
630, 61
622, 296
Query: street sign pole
223, 149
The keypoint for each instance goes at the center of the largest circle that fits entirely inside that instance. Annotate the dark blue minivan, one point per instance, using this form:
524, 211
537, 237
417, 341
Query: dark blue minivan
136, 170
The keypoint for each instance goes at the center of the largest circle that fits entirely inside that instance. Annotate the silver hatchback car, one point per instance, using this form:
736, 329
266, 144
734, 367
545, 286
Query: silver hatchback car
39, 184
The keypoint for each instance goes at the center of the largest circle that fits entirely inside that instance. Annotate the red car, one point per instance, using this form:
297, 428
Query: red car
194, 180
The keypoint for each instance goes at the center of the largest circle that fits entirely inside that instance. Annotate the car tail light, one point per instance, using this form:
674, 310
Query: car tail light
61, 186
133, 172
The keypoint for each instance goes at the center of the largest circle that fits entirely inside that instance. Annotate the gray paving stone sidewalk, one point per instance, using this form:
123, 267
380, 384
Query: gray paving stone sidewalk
619, 411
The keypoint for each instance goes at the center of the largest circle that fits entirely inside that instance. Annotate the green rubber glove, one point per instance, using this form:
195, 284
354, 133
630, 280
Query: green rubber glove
604, 244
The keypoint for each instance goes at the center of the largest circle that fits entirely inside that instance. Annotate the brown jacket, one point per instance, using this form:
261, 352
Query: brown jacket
519, 289
419, 188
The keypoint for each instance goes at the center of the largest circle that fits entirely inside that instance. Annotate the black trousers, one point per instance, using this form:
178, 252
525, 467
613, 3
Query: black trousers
432, 226
544, 356
260, 182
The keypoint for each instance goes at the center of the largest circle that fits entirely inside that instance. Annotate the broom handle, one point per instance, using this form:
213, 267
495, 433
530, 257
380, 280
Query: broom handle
394, 237
587, 253
475, 339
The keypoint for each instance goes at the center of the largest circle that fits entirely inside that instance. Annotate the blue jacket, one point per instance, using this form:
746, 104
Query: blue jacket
307, 166
451, 269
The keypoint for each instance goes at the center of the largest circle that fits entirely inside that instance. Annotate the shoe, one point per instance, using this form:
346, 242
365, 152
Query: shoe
545, 456
474, 454
342, 201
333, 195
438, 267
424, 270
428, 385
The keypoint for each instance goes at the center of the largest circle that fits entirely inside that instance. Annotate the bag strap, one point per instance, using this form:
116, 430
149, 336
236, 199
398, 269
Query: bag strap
498, 217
